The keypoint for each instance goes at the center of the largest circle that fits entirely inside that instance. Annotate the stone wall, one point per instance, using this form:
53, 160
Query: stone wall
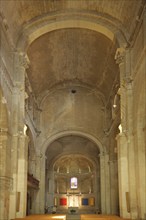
65, 110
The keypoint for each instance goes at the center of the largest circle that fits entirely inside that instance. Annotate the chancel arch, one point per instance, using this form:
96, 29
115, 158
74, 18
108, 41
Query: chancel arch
73, 156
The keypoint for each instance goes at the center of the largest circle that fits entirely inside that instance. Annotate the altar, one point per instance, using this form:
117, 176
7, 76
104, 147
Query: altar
73, 210
74, 200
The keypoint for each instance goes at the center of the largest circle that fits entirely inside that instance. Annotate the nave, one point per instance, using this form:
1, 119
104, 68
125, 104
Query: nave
73, 109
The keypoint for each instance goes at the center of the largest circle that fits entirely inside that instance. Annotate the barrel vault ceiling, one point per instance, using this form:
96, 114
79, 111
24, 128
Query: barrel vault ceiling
75, 55
72, 56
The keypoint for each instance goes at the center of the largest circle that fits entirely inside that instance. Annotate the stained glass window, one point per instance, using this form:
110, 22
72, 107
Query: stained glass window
74, 183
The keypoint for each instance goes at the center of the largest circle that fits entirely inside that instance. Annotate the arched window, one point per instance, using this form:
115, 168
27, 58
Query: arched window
74, 183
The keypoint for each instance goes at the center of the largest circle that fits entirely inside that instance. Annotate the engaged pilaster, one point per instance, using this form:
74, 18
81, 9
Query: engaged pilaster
105, 183
18, 139
120, 60
40, 174
123, 175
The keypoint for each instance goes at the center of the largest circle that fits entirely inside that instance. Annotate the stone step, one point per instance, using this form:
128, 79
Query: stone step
73, 217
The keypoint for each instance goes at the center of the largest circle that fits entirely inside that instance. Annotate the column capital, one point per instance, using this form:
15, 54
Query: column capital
121, 135
120, 55
23, 60
129, 83
40, 155
103, 154
112, 161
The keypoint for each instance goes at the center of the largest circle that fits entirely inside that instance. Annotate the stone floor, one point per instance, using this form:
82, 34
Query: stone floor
71, 217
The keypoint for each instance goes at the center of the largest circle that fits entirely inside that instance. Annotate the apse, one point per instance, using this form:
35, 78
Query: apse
73, 174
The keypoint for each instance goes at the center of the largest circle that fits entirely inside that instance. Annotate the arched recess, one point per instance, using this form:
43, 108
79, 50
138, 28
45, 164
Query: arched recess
101, 156
54, 137
85, 172
45, 24
77, 156
5, 159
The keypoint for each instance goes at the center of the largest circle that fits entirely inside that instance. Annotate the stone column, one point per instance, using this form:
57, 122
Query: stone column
14, 151
96, 189
102, 184
120, 60
131, 152
18, 138
5, 187
123, 175
105, 183
22, 175
122, 140
40, 174
5, 179
51, 188
114, 200
37, 197
42, 183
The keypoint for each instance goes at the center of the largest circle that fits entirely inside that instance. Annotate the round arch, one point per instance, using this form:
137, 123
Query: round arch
54, 137
53, 177
45, 24
85, 156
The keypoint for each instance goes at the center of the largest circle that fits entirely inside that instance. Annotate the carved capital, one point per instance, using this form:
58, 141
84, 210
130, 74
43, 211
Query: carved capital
103, 154
120, 55
23, 60
129, 82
